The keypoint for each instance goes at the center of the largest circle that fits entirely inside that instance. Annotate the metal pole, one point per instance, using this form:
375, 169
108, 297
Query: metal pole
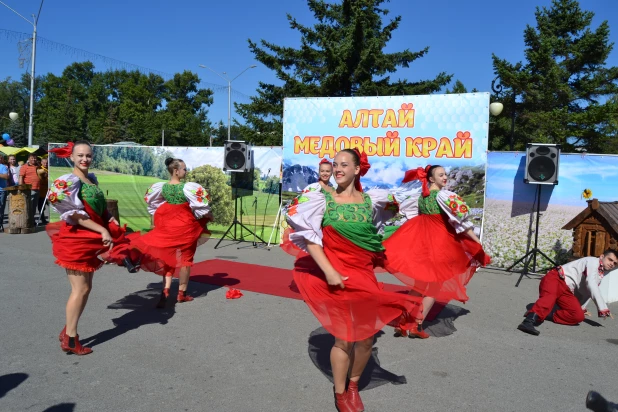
512, 140
31, 125
229, 107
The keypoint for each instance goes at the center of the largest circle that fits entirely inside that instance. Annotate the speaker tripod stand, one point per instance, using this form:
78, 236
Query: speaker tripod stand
254, 244
531, 254
236, 223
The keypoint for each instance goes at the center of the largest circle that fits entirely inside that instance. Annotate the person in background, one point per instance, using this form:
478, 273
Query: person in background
4, 178
571, 286
13, 171
180, 212
437, 252
325, 172
28, 175
43, 175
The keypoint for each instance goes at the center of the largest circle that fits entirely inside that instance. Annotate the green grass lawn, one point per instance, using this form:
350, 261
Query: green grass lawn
129, 190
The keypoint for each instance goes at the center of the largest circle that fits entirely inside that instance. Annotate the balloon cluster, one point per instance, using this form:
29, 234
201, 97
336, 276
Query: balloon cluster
7, 139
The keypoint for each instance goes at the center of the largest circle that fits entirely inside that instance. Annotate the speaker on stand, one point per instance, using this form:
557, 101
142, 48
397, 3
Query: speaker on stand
238, 160
542, 163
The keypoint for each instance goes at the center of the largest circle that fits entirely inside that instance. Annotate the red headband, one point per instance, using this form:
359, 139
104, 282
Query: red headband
325, 161
364, 168
63, 151
419, 174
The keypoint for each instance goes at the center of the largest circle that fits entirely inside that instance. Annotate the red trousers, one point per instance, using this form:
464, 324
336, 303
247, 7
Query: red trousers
554, 290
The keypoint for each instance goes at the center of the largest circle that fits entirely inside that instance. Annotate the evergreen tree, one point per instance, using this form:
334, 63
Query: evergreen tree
342, 55
564, 88
459, 87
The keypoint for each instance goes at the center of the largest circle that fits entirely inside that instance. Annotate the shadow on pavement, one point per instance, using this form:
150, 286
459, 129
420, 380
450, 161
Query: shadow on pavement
143, 311
11, 381
61, 407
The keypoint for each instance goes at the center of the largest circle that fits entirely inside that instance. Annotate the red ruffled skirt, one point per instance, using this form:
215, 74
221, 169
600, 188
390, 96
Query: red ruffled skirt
428, 255
78, 248
172, 242
363, 307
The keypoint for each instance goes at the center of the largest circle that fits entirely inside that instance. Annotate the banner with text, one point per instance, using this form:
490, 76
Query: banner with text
397, 133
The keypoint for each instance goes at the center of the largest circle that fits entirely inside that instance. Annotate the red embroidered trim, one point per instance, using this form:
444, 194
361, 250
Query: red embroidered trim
78, 267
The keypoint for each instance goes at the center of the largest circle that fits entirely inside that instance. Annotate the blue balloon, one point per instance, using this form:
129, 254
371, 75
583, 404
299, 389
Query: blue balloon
6, 136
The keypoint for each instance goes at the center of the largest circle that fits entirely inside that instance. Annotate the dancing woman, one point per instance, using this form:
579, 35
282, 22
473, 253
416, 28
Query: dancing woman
180, 213
334, 271
437, 252
85, 234
325, 172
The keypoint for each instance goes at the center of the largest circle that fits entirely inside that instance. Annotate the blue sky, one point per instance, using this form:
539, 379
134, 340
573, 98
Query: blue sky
575, 173
172, 37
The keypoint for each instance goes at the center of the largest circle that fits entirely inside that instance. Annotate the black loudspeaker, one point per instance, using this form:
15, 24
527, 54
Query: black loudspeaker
242, 184
542, 161
237, 156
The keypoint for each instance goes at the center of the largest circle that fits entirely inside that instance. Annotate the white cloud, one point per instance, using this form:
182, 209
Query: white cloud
382, 172
199, 156
503, 166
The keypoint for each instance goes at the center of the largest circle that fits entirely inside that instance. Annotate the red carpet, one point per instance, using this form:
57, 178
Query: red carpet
262, 279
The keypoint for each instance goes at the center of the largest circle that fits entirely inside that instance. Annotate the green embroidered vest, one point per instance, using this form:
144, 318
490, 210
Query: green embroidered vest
429, 205
94, 196
173, 194
354, 221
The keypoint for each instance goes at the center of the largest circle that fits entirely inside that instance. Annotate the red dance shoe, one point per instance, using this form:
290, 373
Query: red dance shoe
163, 300
419, 333
77, 349
342, 403
182, 297
64, 332
354, 397
399, 332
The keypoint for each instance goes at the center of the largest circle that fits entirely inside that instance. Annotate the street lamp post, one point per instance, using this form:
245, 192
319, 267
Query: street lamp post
498, 89
34, 22
14, 115
229, 93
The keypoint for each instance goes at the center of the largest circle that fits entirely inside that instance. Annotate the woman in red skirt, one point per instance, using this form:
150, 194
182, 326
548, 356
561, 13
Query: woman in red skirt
338, 248
180, 213
437, 252
84, 238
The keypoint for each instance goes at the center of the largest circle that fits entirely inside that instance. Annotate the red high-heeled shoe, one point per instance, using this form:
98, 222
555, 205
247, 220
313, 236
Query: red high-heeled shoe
78, 349
419, 333
354, 397
342, 403
399, 332
64, 332
163, 300
183, 297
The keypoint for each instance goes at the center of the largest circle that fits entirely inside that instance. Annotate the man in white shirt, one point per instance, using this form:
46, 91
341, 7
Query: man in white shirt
14, 171
571, 286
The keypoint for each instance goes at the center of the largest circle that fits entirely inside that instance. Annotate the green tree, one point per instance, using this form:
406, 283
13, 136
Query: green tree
14, 97
459, 87
185, 111
215, 183
342, 55
563, 88
122, 105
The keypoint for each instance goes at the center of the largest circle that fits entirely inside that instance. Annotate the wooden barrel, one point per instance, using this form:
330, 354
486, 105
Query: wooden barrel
20, 219
112, 208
